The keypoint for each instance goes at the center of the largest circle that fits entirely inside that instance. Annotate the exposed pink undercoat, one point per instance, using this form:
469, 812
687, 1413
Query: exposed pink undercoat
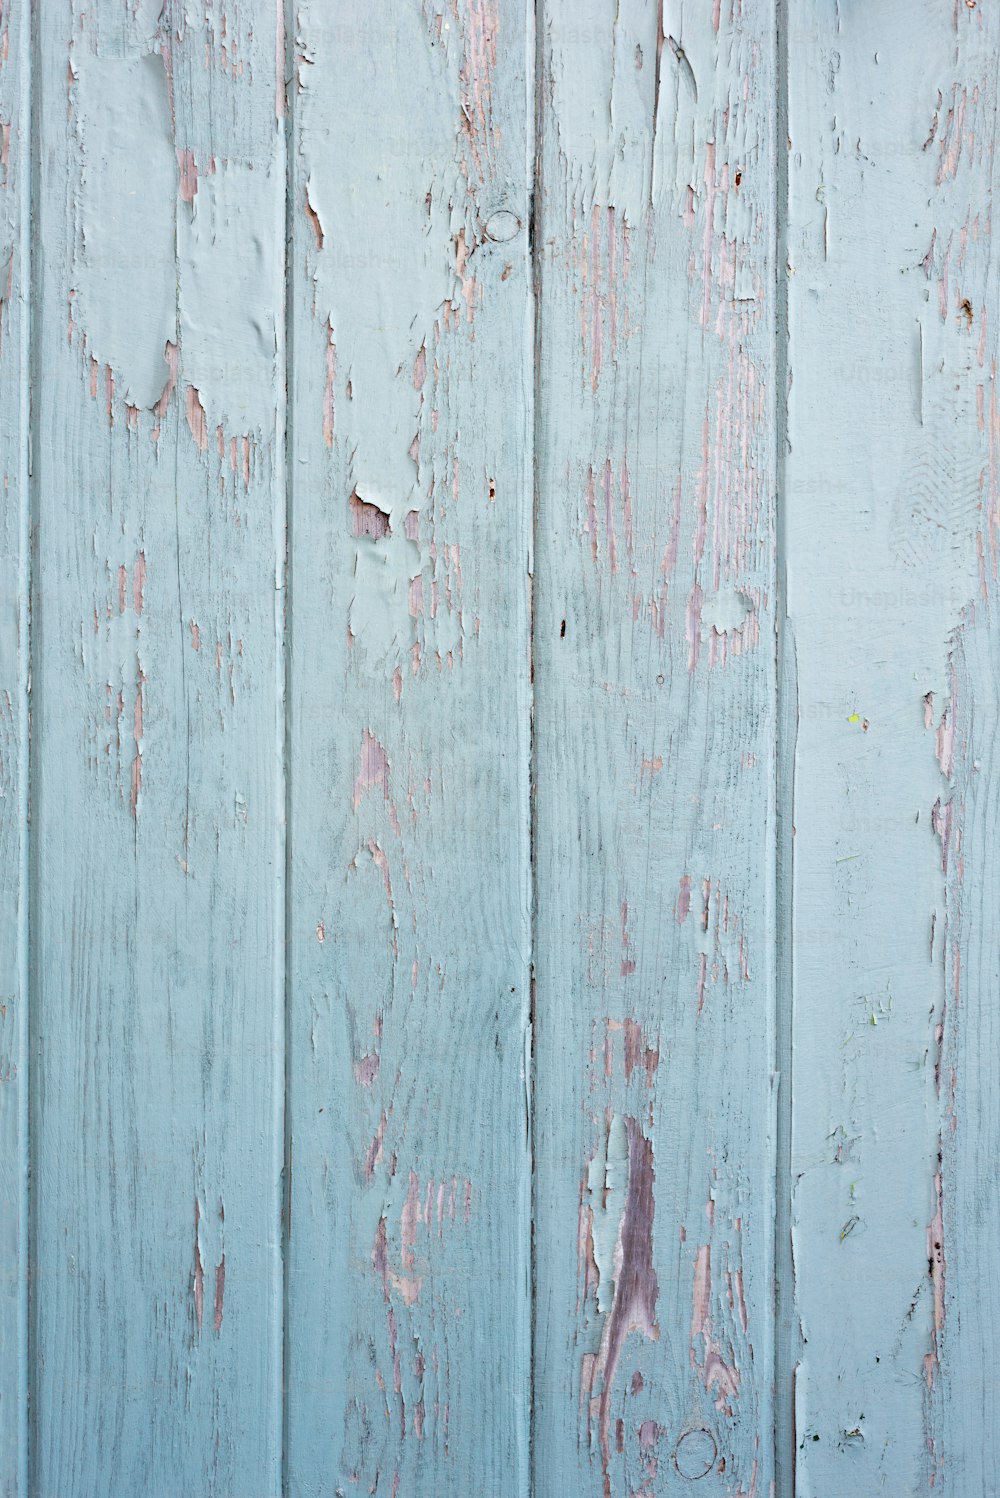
220, 1291
705, 1350
331, 375
633, 1308
196, 418
373, 774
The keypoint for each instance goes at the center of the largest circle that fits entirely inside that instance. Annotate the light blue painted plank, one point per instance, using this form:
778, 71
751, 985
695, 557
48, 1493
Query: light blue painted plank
15, 180
156, 1104
892, 504
655, 732
408, 1297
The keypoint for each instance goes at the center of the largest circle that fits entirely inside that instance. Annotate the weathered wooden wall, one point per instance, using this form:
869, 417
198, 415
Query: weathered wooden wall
498, 992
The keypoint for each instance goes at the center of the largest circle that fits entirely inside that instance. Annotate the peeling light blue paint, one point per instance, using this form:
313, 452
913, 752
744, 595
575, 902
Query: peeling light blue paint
230, 296
125, 294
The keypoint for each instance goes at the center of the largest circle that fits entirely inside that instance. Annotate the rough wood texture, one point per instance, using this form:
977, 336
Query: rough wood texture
409, 1173
15, 169
157, 1020
892, 508
654, 732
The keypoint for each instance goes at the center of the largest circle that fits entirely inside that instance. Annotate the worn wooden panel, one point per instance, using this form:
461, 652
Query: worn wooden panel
654, 732
410, 484
15, 181
156, 794
892, 505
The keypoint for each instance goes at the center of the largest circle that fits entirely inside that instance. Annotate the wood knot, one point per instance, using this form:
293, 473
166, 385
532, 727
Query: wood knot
695, 1453
502, 226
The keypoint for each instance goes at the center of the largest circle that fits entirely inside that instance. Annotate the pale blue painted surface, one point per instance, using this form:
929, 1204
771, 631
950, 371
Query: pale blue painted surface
433, 1143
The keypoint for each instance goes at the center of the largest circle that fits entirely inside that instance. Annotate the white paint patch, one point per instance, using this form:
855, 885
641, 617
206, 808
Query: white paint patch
607, 1187
126, 280
726, 610
387, 267
231, 295
606, 126
379, 616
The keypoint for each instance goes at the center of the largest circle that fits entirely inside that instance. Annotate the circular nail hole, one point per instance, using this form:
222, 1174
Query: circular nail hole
695, 1454
502, 225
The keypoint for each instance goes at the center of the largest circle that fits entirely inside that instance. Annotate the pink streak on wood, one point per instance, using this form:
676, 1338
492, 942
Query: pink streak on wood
366, 1070
187, 175
196, 419
331, 374
137, 759
723, 1376
636, 1291
139, 583
220, 1291
199, 1273
936, 1260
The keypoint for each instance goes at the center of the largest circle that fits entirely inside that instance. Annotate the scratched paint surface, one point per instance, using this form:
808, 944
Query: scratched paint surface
501, 517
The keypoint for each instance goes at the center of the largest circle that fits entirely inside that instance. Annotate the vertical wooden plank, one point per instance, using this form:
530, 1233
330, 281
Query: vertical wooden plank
892, 487
15, 181
654, 727
408, 1297
158, 1023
